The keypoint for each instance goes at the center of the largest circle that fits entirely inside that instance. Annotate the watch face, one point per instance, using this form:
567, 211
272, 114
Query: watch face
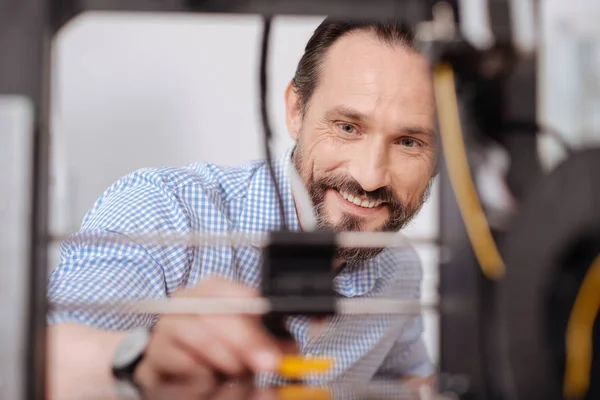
131, 348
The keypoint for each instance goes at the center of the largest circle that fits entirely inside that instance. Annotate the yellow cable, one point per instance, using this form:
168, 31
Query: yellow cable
587, 304
578, 339
478, 230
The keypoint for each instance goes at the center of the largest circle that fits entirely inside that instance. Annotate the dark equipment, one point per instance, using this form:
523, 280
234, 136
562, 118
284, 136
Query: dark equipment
560, 221
297, 277
503, 336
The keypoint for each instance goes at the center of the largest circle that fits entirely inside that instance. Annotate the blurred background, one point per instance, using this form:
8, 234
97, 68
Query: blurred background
145, 90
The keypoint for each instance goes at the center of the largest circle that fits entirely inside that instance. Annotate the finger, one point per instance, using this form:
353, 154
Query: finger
179, 391
193, 335
173, 363
145, 377
288, 346
264, 394
156, 386
235, 391
256, 346
249, 339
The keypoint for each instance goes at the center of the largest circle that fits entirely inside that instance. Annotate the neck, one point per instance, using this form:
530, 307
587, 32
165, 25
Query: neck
337, 263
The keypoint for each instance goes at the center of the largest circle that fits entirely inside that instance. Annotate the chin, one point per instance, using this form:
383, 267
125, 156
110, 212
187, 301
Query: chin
351, 224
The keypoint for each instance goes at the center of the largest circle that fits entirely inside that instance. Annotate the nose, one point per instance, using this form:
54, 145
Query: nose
370, 167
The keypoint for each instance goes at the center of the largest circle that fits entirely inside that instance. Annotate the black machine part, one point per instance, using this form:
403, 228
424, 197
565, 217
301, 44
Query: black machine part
549, 248
297, 276
471, 345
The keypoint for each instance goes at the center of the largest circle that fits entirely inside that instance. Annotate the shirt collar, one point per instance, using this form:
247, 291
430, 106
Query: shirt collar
261, 213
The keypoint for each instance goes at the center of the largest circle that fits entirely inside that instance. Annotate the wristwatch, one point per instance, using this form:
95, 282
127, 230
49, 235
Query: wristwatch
129, 354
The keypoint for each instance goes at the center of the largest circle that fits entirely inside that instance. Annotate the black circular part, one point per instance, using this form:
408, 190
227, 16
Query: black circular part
552, 242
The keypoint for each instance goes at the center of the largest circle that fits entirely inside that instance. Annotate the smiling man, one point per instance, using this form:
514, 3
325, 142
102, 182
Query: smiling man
361, 110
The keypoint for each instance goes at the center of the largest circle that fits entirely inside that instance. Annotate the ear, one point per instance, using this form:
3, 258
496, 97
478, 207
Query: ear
293, 115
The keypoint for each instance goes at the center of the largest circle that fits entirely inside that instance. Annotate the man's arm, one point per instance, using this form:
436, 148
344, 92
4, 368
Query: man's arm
82, 342
93, 270
185, 356
190, 350
78, 361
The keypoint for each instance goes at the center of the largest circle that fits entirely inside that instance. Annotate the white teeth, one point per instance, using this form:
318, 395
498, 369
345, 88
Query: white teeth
357, 201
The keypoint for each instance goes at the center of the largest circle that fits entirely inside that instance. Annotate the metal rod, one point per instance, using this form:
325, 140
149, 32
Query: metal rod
344, 239
228, 306
413, 11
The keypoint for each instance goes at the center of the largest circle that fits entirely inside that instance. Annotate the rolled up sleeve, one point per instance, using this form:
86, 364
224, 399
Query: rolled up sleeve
94, 270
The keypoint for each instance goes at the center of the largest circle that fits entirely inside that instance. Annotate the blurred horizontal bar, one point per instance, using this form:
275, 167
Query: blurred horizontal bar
411, 11
344, 239
256, 306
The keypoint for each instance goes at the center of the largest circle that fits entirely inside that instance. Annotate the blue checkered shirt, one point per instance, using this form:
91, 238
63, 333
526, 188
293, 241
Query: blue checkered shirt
208, 198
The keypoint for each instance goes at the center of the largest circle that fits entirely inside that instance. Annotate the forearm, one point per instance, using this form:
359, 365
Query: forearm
79, 361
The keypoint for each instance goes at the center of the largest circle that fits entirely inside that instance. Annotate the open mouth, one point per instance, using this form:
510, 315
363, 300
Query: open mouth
359, 200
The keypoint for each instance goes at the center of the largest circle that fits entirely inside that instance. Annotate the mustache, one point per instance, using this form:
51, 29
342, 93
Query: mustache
351, 186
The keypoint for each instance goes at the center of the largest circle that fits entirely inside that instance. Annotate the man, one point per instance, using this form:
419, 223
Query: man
361, 111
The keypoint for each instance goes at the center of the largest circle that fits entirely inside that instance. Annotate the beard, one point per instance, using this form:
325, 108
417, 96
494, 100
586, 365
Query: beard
400, 213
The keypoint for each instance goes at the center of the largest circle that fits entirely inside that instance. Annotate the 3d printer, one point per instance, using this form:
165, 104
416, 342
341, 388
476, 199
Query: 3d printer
522, 294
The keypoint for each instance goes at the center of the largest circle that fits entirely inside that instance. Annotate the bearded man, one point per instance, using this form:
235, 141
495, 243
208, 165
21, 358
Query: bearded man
360, 109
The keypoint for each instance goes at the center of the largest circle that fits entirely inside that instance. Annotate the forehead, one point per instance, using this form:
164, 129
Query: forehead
376, 78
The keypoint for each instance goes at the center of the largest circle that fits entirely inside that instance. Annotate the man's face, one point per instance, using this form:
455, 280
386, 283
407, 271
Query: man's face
366, 143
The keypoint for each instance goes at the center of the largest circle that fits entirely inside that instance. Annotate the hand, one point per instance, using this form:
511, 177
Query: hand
417, 383
239, 391
194, 351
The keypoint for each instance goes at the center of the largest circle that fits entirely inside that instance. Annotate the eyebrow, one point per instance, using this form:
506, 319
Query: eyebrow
356, 116
346, 112
420, 130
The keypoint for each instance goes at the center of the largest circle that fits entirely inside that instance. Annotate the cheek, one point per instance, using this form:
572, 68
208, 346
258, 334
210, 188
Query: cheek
323, 153
332, 208
412, 179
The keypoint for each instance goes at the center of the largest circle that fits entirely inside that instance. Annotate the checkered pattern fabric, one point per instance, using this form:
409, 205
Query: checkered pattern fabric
207, 198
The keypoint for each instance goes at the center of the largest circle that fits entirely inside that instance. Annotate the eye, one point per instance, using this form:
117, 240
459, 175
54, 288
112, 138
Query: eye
408, 142
348, 128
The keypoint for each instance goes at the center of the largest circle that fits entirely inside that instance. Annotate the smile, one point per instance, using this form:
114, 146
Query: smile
357, 201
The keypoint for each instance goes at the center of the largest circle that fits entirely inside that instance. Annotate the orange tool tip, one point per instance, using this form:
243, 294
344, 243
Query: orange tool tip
299, 392
295, 367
